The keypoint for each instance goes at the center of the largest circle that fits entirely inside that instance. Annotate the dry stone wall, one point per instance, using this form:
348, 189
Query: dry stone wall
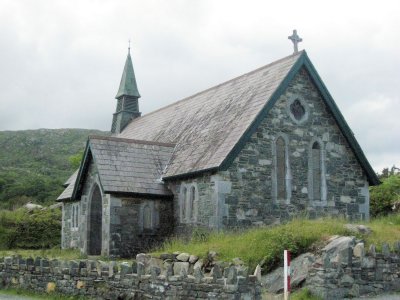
171, 277
347, 270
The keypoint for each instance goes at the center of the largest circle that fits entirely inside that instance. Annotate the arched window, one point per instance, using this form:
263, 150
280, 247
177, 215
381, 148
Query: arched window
192, 200
184, 204
316, 171
281, 175
147, 217
77, 216
280, 168
73, 216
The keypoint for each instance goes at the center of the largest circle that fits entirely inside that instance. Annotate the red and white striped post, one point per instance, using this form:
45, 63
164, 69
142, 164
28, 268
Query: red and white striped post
286, 274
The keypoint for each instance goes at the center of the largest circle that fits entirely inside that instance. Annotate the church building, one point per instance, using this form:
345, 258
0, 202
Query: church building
252, 151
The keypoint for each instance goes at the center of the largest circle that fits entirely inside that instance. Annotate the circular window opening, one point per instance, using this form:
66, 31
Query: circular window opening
297, 109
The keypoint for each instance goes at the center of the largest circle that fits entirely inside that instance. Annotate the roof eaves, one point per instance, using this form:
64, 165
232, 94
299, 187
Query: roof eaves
263, 112
371, 175
190, 174
83, 168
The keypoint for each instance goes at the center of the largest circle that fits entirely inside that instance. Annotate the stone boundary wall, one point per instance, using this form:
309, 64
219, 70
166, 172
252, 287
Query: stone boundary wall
144, 278
350, 271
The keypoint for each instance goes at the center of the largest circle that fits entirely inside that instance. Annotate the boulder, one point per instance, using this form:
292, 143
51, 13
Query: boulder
358, 228
32, 206
181, 268
193, 259
183, 257
273, 281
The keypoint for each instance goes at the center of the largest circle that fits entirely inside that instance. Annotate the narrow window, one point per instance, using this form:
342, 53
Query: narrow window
316, 171
77, 216
184, 203
192, 202
280, 168
147, 218
73, 216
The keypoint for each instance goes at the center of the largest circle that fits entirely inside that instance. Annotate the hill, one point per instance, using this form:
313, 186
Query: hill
35, 163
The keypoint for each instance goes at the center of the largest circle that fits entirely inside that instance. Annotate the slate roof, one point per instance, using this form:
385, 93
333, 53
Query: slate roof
69, 187
207, 125
203, 132
127, 166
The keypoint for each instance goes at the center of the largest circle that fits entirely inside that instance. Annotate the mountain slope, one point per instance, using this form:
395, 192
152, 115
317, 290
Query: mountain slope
35, 163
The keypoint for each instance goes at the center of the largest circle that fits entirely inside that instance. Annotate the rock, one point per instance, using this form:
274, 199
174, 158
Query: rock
183, 257
198, 275
237, 261
32, 206
358, 228
125, 269
140, 269
143, 258
193, 259
169, 270
231, 276
367, 262
55, 206
340, 250
359, 250
216, 272
385, 250
300, 266
198, 264
212, 255
181, 267
165, 256
346, 280
257, 273
372, 250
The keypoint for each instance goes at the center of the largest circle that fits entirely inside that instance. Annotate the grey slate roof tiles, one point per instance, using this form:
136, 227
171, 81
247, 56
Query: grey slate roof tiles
69, 187
130, 166
206, 126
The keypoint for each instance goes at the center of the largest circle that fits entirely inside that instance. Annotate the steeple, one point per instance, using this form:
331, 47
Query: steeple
127, 98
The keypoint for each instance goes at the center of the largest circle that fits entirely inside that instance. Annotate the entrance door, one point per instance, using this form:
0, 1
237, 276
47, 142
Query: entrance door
95, 222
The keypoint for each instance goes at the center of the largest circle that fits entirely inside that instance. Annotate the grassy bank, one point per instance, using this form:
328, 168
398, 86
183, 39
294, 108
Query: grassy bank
258, 245
265, 245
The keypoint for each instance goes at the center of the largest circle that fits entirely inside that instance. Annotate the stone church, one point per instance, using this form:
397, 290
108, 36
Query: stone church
252, 151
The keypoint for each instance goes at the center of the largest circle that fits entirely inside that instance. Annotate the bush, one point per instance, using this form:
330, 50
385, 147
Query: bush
383, 196
23, 229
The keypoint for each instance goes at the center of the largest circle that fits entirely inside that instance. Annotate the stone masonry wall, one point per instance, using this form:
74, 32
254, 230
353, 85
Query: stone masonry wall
129, 232
350, 271
243, 195
78, 238
145, 278
250, 200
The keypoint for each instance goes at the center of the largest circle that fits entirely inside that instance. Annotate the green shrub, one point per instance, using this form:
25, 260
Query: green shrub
23, 229
383, 196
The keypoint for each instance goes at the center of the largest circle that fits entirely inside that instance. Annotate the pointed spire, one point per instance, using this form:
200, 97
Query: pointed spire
128, 86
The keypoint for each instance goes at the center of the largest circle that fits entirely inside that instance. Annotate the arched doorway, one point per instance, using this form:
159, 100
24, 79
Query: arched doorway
95, 222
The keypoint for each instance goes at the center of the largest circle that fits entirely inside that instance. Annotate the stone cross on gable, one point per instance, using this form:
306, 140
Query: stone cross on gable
295, 39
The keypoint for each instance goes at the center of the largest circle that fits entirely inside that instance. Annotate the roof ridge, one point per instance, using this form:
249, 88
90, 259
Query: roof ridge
223, 83
132, 141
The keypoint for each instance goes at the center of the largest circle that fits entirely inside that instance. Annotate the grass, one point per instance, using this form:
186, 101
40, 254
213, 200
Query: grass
303, 294
53, 253
260, 245
35, 295
255, 246
384, 230
265, 245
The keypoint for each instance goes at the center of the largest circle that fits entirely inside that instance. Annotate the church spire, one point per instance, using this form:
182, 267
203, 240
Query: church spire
127, 98
128, 86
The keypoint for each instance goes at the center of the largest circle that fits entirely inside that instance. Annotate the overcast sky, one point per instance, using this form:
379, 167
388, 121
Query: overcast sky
61, 61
